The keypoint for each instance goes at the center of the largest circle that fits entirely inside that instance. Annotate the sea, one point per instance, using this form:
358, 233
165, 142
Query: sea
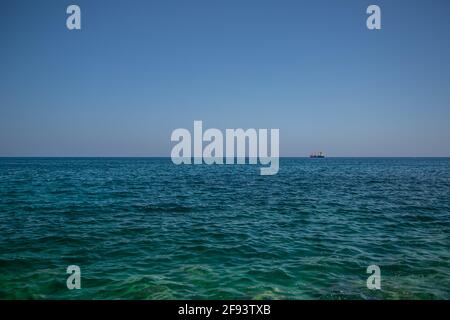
144, 228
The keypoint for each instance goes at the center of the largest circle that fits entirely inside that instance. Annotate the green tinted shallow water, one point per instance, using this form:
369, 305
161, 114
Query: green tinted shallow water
147, 229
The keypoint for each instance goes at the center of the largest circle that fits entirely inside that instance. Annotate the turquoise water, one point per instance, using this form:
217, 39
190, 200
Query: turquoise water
147, 229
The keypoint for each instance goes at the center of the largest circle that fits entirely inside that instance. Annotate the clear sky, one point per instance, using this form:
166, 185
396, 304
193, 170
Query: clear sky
139, 69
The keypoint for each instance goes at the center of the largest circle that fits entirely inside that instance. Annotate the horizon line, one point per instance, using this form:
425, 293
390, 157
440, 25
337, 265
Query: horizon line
168, 157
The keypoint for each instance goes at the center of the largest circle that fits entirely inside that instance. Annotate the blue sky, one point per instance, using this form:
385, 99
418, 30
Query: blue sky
139, 69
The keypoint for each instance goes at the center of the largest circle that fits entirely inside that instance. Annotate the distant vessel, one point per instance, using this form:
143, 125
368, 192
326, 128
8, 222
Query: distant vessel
319, 154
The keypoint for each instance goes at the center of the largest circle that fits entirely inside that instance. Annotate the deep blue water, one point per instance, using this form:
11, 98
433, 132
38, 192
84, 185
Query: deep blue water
148, 229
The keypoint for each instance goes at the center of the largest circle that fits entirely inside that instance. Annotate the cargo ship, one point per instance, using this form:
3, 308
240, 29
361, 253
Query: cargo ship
319, 154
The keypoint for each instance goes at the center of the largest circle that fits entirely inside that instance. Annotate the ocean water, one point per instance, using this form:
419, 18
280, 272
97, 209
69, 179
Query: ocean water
148, 229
